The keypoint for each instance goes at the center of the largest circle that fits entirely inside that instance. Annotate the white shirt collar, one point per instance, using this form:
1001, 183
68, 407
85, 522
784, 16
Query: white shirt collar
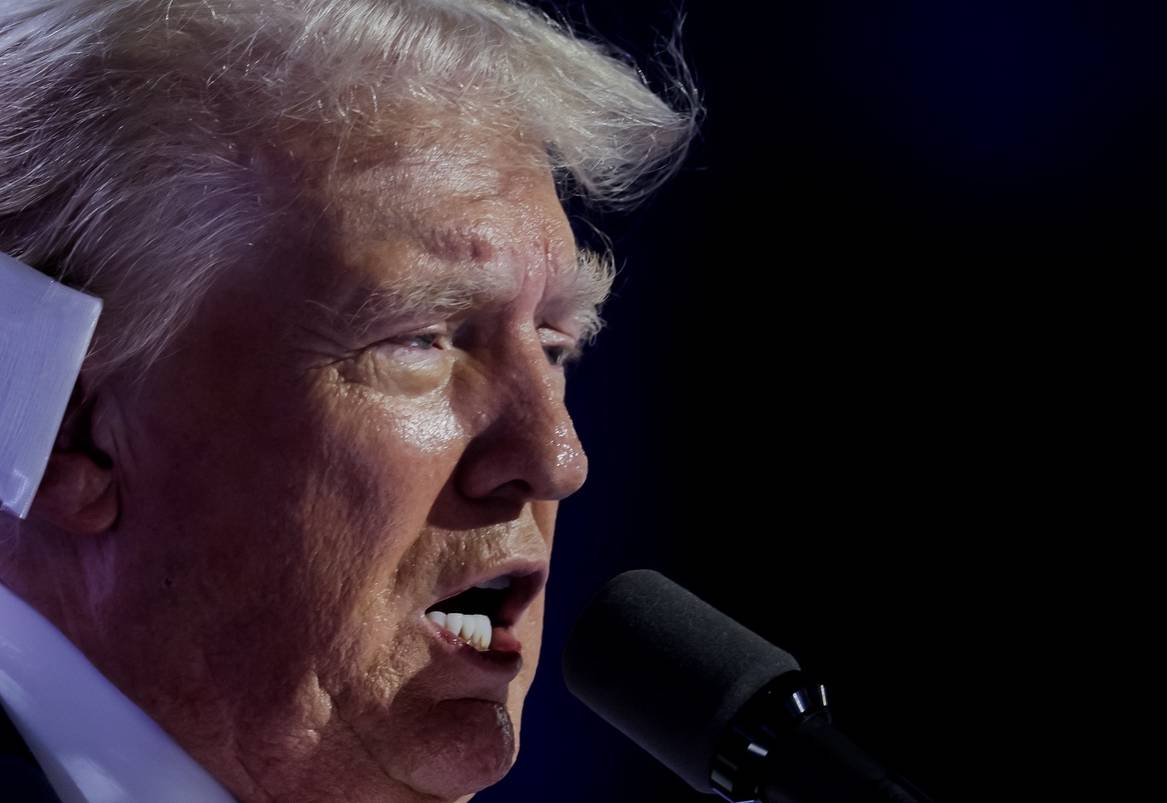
94, 745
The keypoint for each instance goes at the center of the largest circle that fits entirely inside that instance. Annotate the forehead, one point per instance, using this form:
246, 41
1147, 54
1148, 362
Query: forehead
453, 207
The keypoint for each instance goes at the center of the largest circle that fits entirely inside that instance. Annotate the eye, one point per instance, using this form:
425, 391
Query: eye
560, 347
419, 346
422, 340
561, 356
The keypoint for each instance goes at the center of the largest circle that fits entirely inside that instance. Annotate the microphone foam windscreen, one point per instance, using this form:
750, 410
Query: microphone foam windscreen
667, 669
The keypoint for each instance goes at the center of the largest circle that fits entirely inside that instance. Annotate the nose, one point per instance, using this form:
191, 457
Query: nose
527, 448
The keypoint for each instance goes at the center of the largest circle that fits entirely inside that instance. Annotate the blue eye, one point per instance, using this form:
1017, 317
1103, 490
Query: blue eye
558, 356
424, 340
419, 347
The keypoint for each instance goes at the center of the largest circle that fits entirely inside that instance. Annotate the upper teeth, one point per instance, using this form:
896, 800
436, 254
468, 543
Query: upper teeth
497, 584
474, 628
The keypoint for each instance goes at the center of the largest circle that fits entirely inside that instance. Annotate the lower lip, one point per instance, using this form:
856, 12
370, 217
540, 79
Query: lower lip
494, 661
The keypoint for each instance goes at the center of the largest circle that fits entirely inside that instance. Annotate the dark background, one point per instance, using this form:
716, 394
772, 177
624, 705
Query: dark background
843, 389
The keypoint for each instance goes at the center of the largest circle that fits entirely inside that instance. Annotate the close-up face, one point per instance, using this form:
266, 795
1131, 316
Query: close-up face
343, 439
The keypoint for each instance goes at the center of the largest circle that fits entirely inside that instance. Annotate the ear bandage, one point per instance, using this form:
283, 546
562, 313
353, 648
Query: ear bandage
45, 329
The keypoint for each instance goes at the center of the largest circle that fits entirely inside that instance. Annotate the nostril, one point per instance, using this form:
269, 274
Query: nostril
516, 491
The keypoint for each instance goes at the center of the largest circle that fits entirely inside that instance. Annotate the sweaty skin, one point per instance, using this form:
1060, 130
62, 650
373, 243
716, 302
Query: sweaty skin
294, 482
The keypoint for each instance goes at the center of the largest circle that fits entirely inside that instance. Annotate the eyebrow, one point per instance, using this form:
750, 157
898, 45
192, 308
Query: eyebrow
578, 298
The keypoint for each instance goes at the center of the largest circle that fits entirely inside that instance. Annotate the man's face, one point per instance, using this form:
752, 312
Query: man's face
338, 441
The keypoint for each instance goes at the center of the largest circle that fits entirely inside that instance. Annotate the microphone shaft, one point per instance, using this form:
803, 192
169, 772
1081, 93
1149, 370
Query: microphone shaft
815, 763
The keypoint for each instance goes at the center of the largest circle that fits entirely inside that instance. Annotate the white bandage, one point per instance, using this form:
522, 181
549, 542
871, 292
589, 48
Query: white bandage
45, 329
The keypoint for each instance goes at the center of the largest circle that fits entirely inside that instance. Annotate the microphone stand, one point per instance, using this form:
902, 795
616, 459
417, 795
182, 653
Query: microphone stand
782, 748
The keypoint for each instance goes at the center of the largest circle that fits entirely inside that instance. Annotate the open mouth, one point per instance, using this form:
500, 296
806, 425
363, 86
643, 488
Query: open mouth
483, 615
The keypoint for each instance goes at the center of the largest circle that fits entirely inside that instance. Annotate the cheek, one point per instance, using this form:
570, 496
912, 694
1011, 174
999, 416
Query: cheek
424, 434
381, 464
544, 513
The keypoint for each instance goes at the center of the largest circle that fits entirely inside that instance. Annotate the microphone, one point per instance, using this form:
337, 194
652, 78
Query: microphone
717, 704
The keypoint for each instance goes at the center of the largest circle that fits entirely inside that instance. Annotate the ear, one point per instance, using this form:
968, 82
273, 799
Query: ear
78, 493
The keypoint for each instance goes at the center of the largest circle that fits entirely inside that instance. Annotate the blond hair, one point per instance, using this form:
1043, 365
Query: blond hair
128, 127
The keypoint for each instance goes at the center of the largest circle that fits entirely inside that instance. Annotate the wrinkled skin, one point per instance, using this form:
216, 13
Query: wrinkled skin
289, 494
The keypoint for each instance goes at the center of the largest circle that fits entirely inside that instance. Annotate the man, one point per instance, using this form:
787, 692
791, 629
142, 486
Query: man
325, 396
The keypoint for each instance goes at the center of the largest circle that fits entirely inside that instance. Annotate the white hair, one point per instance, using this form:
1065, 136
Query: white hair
129, 128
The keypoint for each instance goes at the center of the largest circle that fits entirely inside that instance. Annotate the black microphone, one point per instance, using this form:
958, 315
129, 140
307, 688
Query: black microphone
714, 702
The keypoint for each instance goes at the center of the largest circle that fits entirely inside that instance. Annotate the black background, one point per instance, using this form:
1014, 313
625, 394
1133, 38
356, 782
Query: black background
853, 349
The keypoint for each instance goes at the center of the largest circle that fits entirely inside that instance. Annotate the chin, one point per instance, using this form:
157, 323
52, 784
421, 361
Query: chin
462, 747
